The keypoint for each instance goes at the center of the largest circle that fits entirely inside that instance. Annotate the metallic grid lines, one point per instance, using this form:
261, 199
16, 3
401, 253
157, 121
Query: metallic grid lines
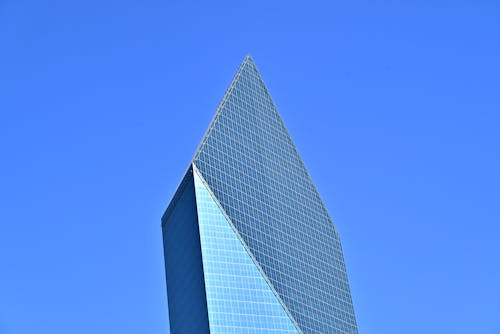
252, 166
239, 299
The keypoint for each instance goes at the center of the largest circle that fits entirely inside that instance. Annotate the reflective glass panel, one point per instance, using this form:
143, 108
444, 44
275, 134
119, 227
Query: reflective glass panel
239, 300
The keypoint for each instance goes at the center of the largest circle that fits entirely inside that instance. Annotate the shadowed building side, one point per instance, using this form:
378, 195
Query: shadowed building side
185, 282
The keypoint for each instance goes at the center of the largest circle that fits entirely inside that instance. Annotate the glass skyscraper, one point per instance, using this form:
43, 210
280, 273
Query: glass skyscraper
249, 245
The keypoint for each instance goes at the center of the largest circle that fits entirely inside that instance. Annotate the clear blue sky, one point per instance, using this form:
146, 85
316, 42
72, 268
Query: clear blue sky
394, 106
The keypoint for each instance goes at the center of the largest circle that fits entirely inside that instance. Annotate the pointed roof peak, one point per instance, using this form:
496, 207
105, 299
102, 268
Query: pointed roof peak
248, 57
247, 61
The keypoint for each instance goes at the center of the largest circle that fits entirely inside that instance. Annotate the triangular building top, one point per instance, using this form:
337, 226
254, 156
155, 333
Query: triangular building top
252, 166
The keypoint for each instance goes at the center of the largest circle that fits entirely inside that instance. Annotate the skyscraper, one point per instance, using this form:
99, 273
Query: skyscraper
249, 245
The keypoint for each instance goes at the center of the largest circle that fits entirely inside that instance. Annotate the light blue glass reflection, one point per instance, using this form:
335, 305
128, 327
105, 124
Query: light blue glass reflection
239, 300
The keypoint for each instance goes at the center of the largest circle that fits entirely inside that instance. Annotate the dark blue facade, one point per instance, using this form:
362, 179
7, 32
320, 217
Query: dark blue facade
185, 282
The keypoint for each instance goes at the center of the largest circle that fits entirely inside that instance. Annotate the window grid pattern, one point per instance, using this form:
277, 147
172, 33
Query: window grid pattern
252, 166
239, 300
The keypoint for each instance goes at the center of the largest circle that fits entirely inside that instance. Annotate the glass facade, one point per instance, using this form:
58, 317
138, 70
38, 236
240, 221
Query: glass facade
262, 223
185, 282
238, 297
